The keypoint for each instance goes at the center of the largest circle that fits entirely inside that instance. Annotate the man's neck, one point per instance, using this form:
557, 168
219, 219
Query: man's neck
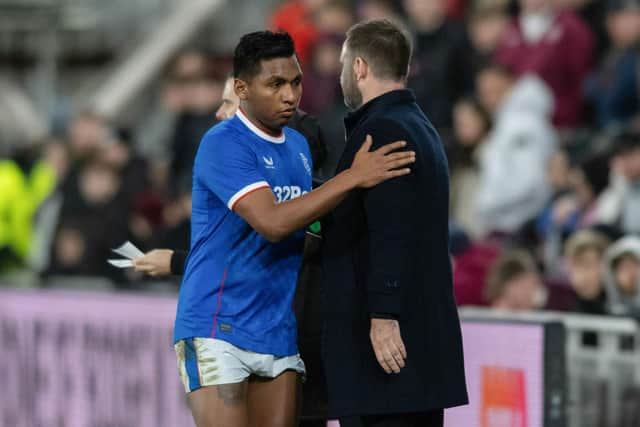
257, 123
379, 88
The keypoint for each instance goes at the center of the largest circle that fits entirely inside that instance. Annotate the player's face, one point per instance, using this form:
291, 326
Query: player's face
272, 96
350, 92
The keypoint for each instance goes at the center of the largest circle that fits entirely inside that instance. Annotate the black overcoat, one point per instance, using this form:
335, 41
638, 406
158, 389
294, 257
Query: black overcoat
385, 253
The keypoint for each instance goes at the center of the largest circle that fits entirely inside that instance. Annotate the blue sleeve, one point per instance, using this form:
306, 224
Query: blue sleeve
228, 168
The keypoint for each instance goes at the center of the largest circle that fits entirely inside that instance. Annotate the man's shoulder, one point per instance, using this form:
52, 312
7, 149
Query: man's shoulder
394, 120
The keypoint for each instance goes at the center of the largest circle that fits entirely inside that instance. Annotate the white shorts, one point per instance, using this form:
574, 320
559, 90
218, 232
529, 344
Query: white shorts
207, 361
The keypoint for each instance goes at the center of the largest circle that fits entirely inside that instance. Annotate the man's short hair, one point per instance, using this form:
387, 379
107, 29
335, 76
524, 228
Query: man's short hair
508, 267
259, 46
385, 47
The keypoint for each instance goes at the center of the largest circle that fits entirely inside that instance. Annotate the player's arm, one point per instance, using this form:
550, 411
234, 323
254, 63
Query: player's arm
275, 220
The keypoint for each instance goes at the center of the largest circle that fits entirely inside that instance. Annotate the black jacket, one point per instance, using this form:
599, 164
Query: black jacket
386, 251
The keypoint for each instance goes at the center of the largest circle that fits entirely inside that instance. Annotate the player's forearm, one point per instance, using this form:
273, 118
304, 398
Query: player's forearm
293, 215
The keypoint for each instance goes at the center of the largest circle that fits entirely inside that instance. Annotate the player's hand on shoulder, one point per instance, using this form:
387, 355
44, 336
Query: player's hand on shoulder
155, 263
373, 167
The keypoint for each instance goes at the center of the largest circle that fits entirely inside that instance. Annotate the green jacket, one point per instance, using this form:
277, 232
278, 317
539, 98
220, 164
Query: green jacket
21, 193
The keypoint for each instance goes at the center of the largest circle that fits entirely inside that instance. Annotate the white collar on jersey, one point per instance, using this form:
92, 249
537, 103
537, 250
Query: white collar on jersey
262, 134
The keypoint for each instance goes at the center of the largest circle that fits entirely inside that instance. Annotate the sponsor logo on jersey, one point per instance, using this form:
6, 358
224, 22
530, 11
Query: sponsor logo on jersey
287, 192
268, 162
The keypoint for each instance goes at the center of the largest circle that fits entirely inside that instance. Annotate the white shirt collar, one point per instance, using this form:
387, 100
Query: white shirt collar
255, 129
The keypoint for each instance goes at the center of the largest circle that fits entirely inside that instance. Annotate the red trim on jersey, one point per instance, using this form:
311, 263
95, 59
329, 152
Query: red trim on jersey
215, 316
262, 187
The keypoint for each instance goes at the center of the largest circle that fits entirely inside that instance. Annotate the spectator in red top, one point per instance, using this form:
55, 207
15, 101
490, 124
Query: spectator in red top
557, 46
297, 18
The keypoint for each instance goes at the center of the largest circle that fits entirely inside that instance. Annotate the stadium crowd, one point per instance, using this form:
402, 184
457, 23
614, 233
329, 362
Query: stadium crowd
537, 102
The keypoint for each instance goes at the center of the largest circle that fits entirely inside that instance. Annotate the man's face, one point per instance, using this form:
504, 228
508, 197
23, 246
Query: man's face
624, 27
350, 92
492, 88
272, 96
522, 292
86, 134
585, 274
630, 164
230, 101
627, 272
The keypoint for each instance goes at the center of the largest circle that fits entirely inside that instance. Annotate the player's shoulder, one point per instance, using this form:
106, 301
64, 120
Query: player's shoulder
292, 133
295, 137
223, 136
225, 130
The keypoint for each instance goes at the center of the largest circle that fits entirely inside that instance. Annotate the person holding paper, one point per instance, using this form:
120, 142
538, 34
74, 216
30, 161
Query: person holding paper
235, 331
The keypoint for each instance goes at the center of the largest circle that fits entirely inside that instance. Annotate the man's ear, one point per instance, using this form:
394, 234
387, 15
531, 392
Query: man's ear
360, 68
241, 88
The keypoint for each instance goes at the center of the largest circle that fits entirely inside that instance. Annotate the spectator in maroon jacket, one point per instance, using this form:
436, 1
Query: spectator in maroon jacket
557, 46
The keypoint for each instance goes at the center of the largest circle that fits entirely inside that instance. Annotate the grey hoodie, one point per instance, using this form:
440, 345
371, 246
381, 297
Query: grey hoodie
513, 184
619, 304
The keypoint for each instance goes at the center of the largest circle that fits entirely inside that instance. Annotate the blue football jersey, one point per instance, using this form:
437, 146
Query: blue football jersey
238, 286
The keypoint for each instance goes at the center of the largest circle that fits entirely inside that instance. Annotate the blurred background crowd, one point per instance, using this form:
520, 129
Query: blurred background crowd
537, 103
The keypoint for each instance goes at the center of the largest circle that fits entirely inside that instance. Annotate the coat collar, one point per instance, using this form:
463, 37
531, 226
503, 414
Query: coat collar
382, 102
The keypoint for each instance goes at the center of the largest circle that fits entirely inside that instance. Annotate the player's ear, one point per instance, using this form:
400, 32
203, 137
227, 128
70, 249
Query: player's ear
241, 89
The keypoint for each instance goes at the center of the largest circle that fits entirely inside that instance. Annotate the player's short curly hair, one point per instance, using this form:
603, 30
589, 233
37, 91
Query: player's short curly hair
258, 46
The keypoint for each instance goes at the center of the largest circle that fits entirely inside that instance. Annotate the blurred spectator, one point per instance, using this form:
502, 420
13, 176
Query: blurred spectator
335, 17
141, 201
558, 173
592, 13
619, 205
457, 8
487, 25
86, 133
93, 220
296, 17
379, 9
201, 92
133, 169
513, 186
557, 46
177, 223
440, 72
515, 283
321, 79
576, 208
622, 263
471, 124
26, 180
584, 252
471, 270
614, 89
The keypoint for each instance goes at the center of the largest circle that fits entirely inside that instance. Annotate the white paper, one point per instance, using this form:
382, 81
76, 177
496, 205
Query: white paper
128, 250
121, 263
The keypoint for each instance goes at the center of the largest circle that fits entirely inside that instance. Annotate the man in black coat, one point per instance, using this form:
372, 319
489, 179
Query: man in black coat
393, 347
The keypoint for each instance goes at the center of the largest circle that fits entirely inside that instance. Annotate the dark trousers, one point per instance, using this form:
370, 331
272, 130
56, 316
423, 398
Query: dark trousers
420, 419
